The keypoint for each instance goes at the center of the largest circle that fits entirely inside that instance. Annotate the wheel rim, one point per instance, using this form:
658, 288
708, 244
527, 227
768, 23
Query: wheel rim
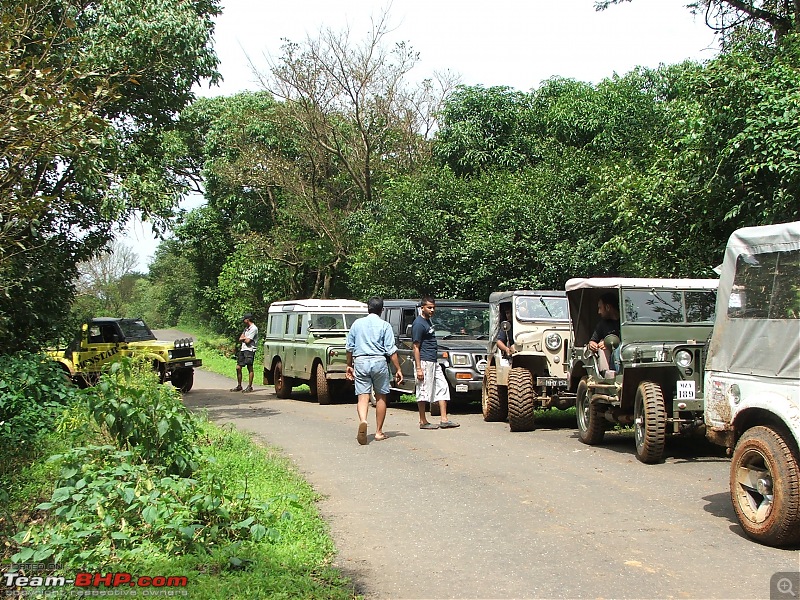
638, 425
754, 486
583, 408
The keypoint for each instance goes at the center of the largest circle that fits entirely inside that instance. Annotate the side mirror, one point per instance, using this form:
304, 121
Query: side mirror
612, 341
505, 326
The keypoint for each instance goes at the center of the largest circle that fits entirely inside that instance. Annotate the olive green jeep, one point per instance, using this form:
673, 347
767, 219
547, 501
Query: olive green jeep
104, 340
653, 378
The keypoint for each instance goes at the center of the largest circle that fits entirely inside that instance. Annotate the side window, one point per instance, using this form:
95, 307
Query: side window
409, 314
287, 324
300, 320
393, 316
766, 286
700, 306
277, 324
95, 335
291, 325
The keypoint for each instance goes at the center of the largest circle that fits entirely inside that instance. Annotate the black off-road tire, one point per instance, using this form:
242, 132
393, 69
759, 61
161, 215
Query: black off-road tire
649, 423
591, 422
283, 385
494, 400
764, 463
323, 390
521, 399
183, 379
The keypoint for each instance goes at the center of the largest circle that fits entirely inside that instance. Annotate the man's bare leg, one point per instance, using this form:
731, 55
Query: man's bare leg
380, 415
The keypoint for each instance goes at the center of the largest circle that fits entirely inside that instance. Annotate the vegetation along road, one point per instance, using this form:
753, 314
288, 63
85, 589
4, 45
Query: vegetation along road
478, 512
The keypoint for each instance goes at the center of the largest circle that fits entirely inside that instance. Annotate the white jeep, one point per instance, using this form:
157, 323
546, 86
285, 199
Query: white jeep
752, 379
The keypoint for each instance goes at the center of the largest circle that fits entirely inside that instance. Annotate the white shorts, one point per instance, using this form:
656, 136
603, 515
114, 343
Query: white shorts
433, 388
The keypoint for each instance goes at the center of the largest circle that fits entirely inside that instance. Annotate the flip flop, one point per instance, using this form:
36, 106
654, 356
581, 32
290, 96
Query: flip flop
428, 426
362, 433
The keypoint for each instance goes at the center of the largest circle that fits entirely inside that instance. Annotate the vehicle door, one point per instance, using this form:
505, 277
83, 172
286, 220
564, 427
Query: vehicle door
99, 347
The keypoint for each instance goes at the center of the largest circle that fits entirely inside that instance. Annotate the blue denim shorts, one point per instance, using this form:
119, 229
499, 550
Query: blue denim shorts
371, 372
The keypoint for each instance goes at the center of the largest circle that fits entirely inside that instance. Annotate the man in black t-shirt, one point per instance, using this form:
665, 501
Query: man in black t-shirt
608, 309
431, 383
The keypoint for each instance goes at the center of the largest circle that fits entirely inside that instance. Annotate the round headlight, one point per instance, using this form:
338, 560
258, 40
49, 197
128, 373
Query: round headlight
683, 358
553, 342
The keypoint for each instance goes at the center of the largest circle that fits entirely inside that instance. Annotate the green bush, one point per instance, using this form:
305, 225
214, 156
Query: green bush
144, 416
108, 505
33, 389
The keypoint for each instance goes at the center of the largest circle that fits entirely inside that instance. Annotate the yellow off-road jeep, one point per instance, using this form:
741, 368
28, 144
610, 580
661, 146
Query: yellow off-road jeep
103, 340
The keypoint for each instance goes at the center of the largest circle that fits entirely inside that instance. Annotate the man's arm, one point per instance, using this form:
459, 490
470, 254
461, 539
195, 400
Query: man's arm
348, 372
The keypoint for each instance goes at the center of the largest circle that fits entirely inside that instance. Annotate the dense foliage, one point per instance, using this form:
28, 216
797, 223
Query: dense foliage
90, 91
641, 174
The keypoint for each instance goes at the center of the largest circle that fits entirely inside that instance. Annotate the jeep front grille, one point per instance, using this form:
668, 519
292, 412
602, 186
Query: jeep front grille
480, 362
182, 352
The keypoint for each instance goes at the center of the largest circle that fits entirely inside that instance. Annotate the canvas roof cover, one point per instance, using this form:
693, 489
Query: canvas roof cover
768, 347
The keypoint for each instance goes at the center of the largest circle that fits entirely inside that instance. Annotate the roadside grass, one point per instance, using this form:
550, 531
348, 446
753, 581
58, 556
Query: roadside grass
296, 565
86, 497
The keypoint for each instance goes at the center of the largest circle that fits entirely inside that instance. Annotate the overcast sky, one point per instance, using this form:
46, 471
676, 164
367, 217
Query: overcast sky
516, 43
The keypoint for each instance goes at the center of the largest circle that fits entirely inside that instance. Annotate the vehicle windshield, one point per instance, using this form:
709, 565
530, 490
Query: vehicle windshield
541, 308
135, 330
461, 321
334, 321
669, 306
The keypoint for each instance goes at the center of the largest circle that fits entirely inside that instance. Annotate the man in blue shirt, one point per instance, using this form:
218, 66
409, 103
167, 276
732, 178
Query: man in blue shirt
370, 342
431, 382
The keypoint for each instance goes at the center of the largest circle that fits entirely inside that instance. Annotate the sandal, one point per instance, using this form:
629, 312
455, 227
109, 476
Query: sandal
238, 388
428, 426
362, 433
448, 425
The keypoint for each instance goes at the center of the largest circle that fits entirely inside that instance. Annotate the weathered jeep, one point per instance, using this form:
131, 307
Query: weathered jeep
657, 382
461, 330
752, 379
305, 343
104, 340
536, 374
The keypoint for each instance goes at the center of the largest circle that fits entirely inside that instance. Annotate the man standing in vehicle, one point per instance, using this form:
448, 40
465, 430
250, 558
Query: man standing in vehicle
370, 342
246, 354
431, 382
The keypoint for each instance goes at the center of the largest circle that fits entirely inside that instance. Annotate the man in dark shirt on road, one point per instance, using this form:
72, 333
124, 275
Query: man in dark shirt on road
431, 382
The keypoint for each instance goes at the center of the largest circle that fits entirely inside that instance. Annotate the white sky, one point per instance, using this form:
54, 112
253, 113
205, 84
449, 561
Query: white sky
516, 43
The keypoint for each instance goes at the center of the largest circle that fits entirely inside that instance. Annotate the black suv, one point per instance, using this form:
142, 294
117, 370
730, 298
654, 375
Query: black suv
462, 331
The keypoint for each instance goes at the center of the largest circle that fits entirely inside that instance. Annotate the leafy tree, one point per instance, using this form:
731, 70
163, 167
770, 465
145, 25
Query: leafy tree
88, 89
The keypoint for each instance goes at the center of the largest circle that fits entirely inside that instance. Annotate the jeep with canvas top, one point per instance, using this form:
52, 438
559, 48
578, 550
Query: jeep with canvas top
304, 343
752, 379
462, 328
535, 375
655, 382
103, 340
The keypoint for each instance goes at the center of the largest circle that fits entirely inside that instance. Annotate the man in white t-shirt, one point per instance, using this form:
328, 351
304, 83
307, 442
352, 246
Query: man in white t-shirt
246, 353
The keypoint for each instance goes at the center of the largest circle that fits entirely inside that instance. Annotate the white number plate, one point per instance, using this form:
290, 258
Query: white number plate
686, 390
189, 364
462, 387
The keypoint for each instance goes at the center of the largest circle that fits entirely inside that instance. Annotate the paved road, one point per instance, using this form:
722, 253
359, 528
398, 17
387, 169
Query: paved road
479, 512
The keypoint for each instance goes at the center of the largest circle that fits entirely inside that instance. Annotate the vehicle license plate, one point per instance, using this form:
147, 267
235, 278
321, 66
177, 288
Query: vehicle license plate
686, 390
462, 387
550, 382
189, 364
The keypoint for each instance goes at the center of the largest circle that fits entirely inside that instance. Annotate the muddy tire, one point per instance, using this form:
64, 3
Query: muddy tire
494, 402
521, 399
283, 385
649, 423
323, 390
591, 423
765, 487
